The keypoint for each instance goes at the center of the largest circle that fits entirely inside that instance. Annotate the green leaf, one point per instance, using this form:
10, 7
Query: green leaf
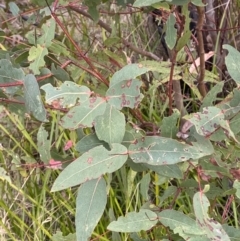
209, 120
88, 142
128, 72
145, 3
9, 74
169, 125
58, 236
90, 205
212, 95
14, 9
49, 31
66, 95
134, 222
212, 229
171, 32
4, 176
144, 186
232, 61
125, 94
198, 3
236, 185
180, 223
160, 67
32, 97
172, 171
90, 165
232, 232
163, 151
43, 145
110, 127
59, 73
84, 114
36, 54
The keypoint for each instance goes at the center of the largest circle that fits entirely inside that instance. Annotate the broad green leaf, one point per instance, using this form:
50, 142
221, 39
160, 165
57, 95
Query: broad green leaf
171, 32
90, 205
92, 8
14, 9
180, 2
110, 127
32, 97
232, 232
128, 72
183, 40
134, 222
169, 192
169, 125
212, 95
59, 48
66, 95
90, 165
83, 115
212, 170
59, 73
36, 56
9, 74
125, 94
172, 171
236, 185
88, 142
198, 3
212, 229
49, 31
135, 237
160, 67
180, 223
232, 61
209, 120
163, 151
58, 236
144, 186
145, 3
4, 176
43, 144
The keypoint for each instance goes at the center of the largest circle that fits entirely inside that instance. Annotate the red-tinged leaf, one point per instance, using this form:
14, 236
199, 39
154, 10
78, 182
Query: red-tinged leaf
55, 164
68, 145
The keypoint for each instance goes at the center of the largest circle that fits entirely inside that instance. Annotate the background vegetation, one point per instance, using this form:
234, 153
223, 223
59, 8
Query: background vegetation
118, 121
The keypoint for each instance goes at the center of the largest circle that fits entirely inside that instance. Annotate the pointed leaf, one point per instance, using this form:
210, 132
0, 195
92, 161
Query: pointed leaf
142, 3
90, 205
110, 127
32, 96
163, 151
209, 120
90, 165
181, 224
171, 32
49, 32
84, 114
134, 222
88, 142
232, 62
4, 176
125, 93
9, 74
210, 227
36, 55
43, 145
66, 95
128, 72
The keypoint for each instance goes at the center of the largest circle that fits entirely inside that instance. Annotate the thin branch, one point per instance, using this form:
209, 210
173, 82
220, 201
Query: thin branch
201, 52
